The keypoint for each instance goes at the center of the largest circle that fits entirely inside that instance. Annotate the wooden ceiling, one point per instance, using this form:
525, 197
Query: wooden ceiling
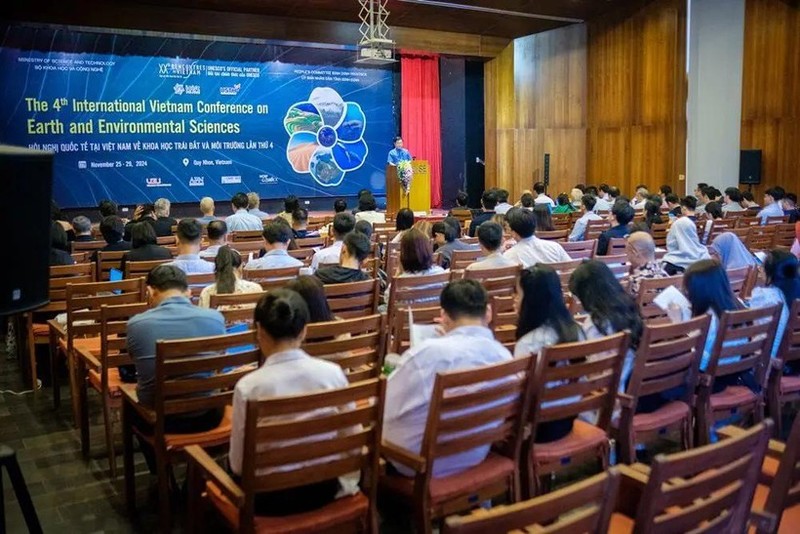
500, 18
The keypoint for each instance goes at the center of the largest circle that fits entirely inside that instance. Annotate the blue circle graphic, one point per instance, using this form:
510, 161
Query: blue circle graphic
327, 136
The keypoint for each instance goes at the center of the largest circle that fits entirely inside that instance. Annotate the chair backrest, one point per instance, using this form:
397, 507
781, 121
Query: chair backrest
416, 290
303, 254
357, 345
304, 439
198, 282
719, 226
199, 374
463, 258
60, 276
562, 221
584, 506
272, 278
107, 260
499, 281
564, 270
244, 248
649, 288
136, 269
247, 235
735, 214
84, 246
399, 328
595, 228
739, 279
617, 246
659, 232
581, 250
668, 357
777, 219
477, 407
354, 299
761, 237
113, 343
83, 257
784, 491
310, 242
784, 236
789, 350
618, 264
743, 222
504, 321
572, 378
553, 235
706, 489
744, 342
167, 240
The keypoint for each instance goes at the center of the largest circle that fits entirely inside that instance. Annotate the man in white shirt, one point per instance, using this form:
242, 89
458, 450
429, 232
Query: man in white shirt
529, 249
579, 230
343, 224
541, 197
640, 198
490, 238
241, 220
502, 202
772, 204
217, 237
188, 259
466, 344
277, 235
368, 210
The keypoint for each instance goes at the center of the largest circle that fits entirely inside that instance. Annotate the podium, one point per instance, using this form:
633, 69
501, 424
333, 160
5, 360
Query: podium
419, 199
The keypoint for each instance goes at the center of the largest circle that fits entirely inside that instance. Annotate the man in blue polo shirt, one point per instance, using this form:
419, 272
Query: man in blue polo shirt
398, 153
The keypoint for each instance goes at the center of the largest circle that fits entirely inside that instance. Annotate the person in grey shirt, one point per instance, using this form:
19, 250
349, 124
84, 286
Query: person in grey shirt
188, 259
241, 219
490, 238
217, 238
446, 235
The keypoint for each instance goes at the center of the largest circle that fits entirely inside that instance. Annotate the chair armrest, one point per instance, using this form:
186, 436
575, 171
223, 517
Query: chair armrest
395, 453
730, 431
632, 484
212, 471
57, 328
625, 400
130, 396
89, 358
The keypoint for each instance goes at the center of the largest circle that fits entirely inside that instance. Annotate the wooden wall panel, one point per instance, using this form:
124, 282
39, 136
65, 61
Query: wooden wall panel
771, 90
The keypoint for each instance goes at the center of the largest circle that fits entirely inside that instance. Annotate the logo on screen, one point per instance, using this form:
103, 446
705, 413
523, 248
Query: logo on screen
227, 180
231, 90
155, 181
326, 136
197, 181
181, 88
179, 70
266, 179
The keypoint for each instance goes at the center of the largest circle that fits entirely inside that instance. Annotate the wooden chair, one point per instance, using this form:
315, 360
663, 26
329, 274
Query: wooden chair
741, 232
570, 379
649, 289
102, 373
706, 489
735, 214
783, 389
245, 248
554, 235
562, 221
272, 278
399, 336
761, 238
354, 299
247, 235
464, 258
617, 246
198, 282
167, 240
776, 505
504, 321
214, 372
470, 409
80, 257
310, 242
87, 246
618, 264
744, 222
282, 426
565, 270
667, 362
778, 219
497, 282
303, 254
236, 307
659, 233
584, 506
595, 228
581, 250
140, 269
740, 281
83, 328
415, 292
784, 236
107, 260
357, 345
743, 345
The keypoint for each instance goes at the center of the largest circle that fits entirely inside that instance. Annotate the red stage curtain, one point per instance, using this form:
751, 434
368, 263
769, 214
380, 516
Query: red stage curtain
421, 127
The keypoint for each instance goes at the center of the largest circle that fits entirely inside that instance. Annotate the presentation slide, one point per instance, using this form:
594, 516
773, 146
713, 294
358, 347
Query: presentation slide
149, 117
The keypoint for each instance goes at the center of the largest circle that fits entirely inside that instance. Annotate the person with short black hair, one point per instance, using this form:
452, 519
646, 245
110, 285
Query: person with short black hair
355, 250
343, 224
107, 208
749, 202
368, 210
698, 190
190, 233
773, 197
339, 205
652, 212
112, 229
564, 205
416, 255
541, 196
713, 212
300, 224
446, 235
502, 206
217, 231
623, 213
579, 229
277, 235
688, 207
290, 204
227, 277
280, 321
527, 201
402, 222
254, 206
242, 220
364, 227
59, 246
467, 343
398, 154
490, 239
674, 205
462, 200
529, 249
83, 229
144, 245
732, 201
489, 203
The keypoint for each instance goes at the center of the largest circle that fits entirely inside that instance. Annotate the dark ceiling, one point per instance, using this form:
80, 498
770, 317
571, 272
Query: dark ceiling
505, 18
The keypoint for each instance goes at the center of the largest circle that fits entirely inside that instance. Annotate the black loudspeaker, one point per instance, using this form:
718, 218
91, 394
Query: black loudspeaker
546, 170
750, 167
26, 183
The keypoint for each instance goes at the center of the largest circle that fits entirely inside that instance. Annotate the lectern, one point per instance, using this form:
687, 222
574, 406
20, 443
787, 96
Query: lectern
419, 199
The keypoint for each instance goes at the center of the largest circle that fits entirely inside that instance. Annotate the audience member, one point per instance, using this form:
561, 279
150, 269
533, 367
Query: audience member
698, 190
365, 228
683, 247
83, 229
623, 213
355, 249
254, 206
731, 252
614, 194
772, 204
600, 204
280, 322
144, 245
652, 212
290, 204
541, 196
461, 208
313, 293
403, 221
426, 227
544, 221
732, 200
576, 195
188, 259
488, 202
59, 246
673, 204
640, 198
564, 205
783, 287
579, 230
142, 213
241, 220
277, 235
689, 207
749, 202
641, 251
368, 210
467, 343
790, 207
527, 201
207, 208
714, 212
416, 255
529, 249
502, 206
163, 223
112, 228
343, 224
446, 235
490, 239
107, 208
228, 277
300, 225
217, 237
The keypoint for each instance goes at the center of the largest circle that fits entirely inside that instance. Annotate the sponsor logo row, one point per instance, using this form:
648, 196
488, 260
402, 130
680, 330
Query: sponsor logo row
200, 181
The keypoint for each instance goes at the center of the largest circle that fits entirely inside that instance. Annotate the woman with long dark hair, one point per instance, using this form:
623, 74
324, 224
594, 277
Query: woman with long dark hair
783, 287
228, 276
544, 221
544, 320
59, 245
652, 212
313, 293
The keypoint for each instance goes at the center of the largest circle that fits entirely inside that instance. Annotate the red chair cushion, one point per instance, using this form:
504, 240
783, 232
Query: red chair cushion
492, 469
340, 512
584, 437
667, 415
790, 384
620, 524
731, 397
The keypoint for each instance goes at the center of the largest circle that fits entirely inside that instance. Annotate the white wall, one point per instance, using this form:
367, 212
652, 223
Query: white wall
714, 108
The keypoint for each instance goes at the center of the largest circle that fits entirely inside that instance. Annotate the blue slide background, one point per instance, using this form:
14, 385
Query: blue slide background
49, 65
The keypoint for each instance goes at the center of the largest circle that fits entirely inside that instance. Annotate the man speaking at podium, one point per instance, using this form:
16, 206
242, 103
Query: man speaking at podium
398, 153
